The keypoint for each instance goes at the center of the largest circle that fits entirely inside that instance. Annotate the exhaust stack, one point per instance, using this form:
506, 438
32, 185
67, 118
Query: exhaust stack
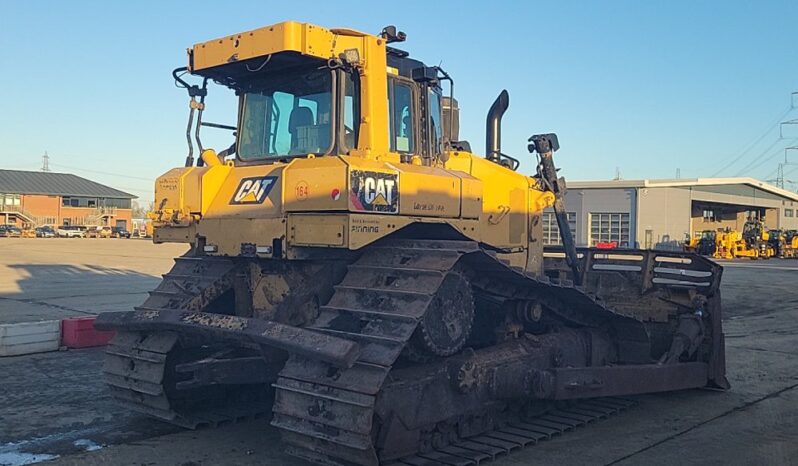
493, 130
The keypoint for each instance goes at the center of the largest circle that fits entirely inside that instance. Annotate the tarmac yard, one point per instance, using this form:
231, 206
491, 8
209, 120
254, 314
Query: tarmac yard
53, 406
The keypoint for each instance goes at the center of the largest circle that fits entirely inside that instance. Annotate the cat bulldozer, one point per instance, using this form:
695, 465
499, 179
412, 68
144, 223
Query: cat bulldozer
382, 294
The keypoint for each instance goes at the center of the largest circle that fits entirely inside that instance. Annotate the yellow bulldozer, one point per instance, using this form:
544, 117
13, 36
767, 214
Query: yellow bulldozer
382, 292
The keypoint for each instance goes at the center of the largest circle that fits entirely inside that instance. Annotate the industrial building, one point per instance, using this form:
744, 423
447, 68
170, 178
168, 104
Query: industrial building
30, 199
660, 214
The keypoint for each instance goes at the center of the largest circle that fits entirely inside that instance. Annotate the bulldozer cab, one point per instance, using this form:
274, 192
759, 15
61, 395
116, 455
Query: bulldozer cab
342, 125
294, 104
754, 231
709, 235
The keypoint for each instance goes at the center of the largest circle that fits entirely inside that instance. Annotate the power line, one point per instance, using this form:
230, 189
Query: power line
758, 158
103, 173
790, 145
756, 141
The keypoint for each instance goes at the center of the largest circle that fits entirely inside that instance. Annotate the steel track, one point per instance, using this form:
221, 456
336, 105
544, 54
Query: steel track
327, 415
517, 435
139, 368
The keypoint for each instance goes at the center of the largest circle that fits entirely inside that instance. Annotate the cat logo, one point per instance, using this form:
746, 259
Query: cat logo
374, 191
253, 190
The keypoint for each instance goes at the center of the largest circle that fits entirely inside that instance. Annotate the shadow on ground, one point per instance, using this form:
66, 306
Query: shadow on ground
35, 292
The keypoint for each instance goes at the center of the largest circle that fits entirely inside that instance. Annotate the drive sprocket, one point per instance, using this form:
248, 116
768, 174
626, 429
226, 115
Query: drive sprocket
446, 325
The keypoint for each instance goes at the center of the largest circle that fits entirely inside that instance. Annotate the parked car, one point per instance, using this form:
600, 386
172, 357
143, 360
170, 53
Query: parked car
45, 232
119, 232
70, 232
98, 232
10, 231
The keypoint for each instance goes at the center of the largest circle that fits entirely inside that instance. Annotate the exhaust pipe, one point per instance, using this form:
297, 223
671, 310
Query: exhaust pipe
493, 130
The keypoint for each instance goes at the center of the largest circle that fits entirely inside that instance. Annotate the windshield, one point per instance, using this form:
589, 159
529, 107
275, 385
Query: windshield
751, 228
287, 115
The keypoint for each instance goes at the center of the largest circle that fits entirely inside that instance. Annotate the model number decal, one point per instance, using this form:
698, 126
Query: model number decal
253, 190
374, 191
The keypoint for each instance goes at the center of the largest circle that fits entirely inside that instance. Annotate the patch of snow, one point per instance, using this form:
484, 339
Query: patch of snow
86, 444
17, 458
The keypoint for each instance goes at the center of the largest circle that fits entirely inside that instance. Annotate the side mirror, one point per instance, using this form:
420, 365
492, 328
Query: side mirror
391, 35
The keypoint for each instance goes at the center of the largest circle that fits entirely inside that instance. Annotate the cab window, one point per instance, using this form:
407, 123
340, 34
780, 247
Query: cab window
351, 111
400, 116
287, 116
434, 99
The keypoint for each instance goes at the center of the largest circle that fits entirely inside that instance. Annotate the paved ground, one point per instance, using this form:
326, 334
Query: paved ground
54, 404
53, 278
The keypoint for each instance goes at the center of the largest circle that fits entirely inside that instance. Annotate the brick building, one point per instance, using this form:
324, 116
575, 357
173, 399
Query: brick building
30, 199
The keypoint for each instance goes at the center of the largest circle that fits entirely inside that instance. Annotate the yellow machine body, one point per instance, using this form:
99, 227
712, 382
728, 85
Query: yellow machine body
283, 206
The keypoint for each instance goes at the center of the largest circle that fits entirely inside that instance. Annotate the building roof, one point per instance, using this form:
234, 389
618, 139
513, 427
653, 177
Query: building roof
57, 184
685, 183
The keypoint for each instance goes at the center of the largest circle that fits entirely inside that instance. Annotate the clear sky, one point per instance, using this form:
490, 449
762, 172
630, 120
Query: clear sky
648, 87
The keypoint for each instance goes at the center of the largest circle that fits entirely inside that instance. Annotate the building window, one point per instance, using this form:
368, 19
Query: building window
9, 200
789, 213
551, 231
608, 228
91, 203
118, 203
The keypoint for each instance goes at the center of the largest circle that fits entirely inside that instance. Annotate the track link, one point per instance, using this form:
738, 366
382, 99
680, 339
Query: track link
517, 435
138, 372
326, 414
139, 368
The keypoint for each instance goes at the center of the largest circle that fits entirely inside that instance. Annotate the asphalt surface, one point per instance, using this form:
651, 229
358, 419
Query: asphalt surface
54, 407
54, 278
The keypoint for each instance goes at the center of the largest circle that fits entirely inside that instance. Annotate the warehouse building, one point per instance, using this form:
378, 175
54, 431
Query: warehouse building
660, 214
30, 199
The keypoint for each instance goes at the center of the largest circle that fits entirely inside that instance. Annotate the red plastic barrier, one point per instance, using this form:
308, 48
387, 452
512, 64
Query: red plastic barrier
79, 332
610, 245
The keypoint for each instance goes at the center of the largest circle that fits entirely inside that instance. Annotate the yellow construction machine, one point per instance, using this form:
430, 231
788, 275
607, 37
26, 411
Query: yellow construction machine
784, 243
727, 243
704, 243
383, 292
754, 242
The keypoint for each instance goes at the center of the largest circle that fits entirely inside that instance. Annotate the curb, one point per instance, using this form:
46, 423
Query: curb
79, 332
51, 335
30, 337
